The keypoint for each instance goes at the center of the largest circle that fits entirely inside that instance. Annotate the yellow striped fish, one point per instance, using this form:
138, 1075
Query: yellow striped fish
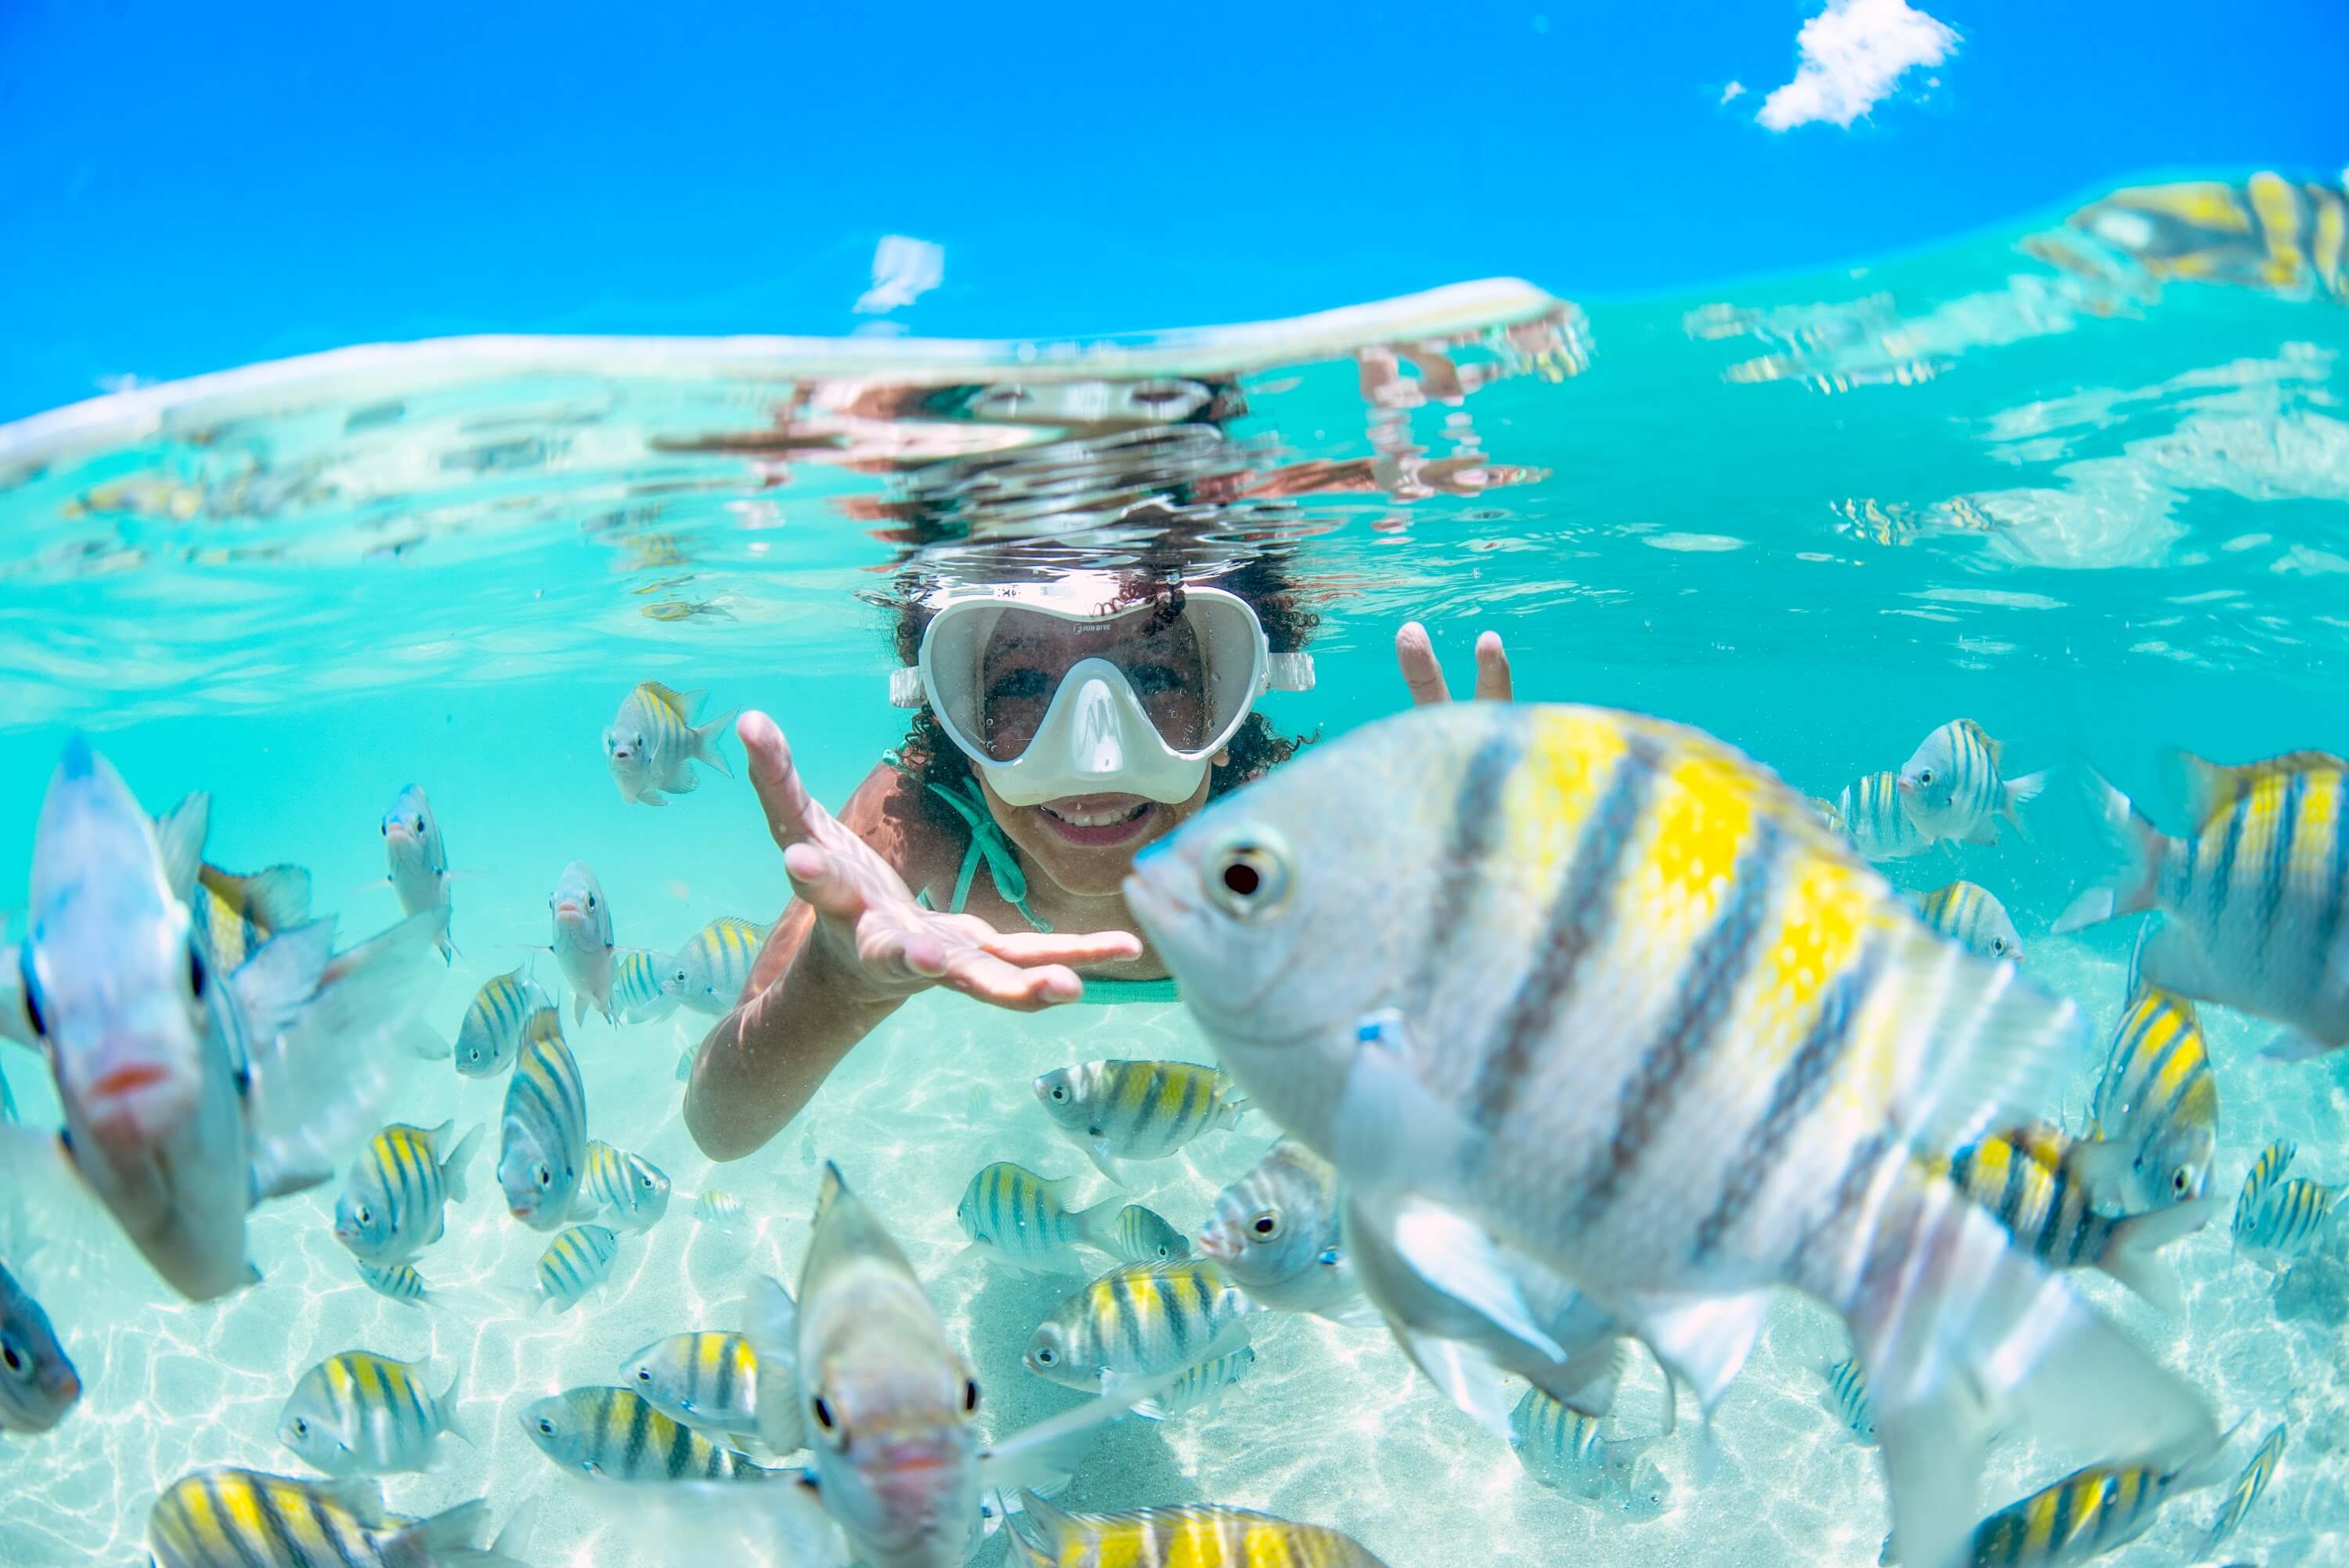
2265, 1171
1847, 1397
632, 1191
1953, 786
639, 980
1138, 1322
2024, 1178
2256, 897
1876, 819
394, 1202
574, 1264
652, 744
614, 1433
228, 1518
1276, 1232
707, 974
2097, 1508
2287, 1221
398, 1282
2247, 1488
1597, 990
492, 1027
1136, 1110
1025, 1220
1563, 1450
1195, 1535
1969, 913
2268, 233
543, 1142
2156, 1112
1140, 1236
1201, 1385
715, 1379
358, 1414
234, 914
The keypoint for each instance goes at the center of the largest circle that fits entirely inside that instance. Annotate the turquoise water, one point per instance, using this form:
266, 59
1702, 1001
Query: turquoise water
1819, 516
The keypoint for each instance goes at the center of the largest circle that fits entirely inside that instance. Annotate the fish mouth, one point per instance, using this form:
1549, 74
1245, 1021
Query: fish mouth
137, 1102
1212, 1243
569, 909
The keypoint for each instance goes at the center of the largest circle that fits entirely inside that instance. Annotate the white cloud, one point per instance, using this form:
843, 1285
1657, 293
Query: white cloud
1852, 55
1734, 89
904, 269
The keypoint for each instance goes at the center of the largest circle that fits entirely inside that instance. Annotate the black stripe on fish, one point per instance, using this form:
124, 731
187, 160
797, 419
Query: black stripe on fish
1849, 1192
2281, 841
1474, 830
1793, 1096
2335, 892
1575, 922
2222, 872
1675, 1057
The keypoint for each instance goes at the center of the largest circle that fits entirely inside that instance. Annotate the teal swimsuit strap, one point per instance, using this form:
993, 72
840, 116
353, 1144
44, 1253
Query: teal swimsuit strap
987, 843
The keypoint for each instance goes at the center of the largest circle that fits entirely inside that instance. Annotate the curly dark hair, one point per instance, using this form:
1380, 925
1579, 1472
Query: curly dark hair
1255, 750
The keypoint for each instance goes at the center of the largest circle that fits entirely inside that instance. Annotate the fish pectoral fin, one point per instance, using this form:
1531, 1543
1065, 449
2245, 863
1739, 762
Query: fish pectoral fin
2290, 1045
1983, 831
1043, 1456
1457, 1257
1462, 1373
1701, 1340
268, 1181
1388, 1128
1097, 1150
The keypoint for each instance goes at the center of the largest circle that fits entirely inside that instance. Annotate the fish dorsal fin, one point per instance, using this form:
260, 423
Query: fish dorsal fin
180, 835
2212, 788
1040, 1527
1995, 748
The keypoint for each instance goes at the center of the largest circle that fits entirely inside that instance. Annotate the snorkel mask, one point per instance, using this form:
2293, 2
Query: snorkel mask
1051, 694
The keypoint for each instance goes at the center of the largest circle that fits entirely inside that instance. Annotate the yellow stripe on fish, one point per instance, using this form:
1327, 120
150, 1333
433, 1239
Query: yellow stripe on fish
2157, 1102
616, 1433
708, 1379
491, 1030
544, 1148
2287, 1221
2247, 1488
630, 1189
1137, 1110
2265, 1171
574, 1264
1194, 1536
357, 1413
1140, 1321
229, 1518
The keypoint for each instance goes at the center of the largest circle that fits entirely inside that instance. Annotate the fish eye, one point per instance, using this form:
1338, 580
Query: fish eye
1045, 1356
365, 1218
1998, 945
545, 1426
196, 977
301, 1427
419, 824
827, 1422
970, 1396
542, 1175
1059, 1091
14, 1360
33, 1015
644, 1375
1247, 876
2181, 1178
1266, 1224
1924, 776
591, 901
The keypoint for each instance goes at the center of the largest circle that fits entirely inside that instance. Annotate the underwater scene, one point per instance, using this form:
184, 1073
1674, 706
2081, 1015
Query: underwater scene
1474, 928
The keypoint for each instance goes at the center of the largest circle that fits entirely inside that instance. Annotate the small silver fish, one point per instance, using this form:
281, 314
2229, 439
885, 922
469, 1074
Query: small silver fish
583, 939
631, 1190
653, 742
1847, 1397
1877, 820
2288, 1220
722, 1209
715, 1381
1024, 1219
393, 1202
574, 1264
542, 1135
1971, 915
38, 1381
419, 860
398, 1282
1562, 1449
1140, 1322
638, 976
1136, 1109
2265, 1173
1140, 1236
1201, 1385
1275, 1231
360, 1414
707, 974
491, 1031
616, 1433
1953, 788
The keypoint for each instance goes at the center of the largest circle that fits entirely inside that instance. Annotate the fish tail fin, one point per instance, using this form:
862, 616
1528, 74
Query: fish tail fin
427, 1542
1097, 1222
2132, 1251
451, 1422
452, 1169
1036, 1528
2142, 845
272, 898
706, 740
506, 1551
1955, 1329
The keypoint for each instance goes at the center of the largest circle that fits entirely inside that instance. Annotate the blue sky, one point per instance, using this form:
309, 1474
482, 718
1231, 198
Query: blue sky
185, 188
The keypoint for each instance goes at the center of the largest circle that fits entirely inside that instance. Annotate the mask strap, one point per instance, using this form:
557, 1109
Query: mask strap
987, 843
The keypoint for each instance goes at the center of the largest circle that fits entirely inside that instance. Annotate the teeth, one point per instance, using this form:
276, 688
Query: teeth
1093, 818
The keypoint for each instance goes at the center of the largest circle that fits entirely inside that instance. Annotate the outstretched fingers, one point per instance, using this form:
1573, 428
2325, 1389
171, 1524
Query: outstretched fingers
1415, 655
1493, 683
792, 816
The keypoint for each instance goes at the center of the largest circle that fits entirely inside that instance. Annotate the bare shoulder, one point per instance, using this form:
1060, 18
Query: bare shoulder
887, 812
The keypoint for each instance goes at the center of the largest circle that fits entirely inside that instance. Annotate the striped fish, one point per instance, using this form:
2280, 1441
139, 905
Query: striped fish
1140, 1321
1562, 1449
1953, 788
234, 914
2024, 1180
1201, 1385
574, 1264
543, 1138
2288, 1220
631, 1191
581, 940
1195, 1535
617, 1434
398, 1282
492, 1032
715, 1380
228, 1518
394, 1202
707, 974
358, 1414
1829, 814
2247, 1488
722, 1209
1024, 1219
1276, 1232
652, 744
1607, 995
418, 861
2267, 233
38, 1381
640, 977
2097, 1508
1969, 915
1136, 1110
2155, 1112
1847, 1397
2264, 1173
2256, 898
1140, 1236
1876, 819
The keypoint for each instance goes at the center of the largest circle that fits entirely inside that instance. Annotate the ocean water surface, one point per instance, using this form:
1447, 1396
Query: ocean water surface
2050, 477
